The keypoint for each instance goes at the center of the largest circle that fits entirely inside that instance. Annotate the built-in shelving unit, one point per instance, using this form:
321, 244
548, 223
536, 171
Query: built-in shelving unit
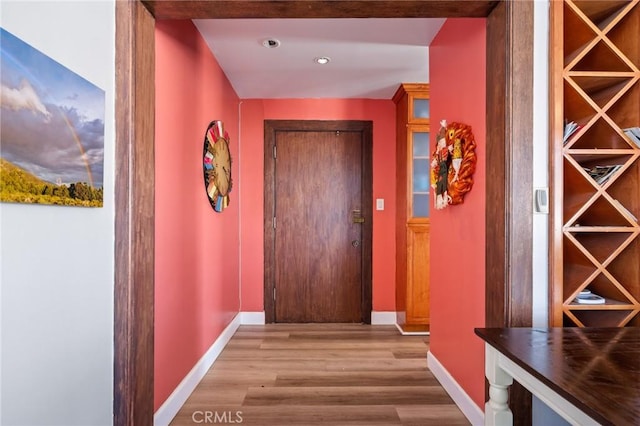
595, 172
412, 207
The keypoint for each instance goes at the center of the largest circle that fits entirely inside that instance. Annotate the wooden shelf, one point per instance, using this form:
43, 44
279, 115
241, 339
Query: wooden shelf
412, 207
609, 304
601, 318
595, 82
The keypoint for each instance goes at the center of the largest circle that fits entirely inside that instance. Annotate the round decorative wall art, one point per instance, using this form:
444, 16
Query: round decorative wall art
453, 164
217, 165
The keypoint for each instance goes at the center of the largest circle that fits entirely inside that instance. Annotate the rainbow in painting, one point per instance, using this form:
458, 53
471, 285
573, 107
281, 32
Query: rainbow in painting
51, 130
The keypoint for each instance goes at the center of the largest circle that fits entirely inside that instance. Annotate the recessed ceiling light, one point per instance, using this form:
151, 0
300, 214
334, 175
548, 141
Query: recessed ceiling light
322, 60
271, 43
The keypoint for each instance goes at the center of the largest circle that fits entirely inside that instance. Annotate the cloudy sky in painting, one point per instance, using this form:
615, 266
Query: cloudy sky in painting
51, 119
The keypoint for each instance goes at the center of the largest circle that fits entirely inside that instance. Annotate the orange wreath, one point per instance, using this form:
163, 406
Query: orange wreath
453, 163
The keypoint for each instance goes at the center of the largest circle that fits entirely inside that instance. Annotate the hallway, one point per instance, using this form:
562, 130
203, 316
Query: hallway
309, 374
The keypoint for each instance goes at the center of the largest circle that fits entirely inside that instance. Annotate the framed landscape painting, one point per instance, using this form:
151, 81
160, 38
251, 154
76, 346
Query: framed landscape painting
51, 130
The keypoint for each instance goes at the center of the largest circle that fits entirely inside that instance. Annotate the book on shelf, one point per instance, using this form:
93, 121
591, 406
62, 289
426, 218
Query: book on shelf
601, 174
593, 299
634, 134
586, 297
570, 127
624, 209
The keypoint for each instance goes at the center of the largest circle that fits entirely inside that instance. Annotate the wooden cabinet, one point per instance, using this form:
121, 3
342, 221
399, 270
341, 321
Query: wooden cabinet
595, 235
412, 208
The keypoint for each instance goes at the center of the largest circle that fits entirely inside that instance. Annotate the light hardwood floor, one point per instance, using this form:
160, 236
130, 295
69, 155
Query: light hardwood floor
310, 374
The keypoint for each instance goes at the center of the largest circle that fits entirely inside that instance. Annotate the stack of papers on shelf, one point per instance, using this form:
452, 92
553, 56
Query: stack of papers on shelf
634, 134
587, 298
570, 127
602, 174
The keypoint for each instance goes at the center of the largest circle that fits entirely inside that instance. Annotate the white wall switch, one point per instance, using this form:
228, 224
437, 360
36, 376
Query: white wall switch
541, 200
379, 203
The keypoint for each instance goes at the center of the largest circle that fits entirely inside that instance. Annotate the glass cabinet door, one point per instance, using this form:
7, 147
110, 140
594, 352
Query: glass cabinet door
420, 174
420, 108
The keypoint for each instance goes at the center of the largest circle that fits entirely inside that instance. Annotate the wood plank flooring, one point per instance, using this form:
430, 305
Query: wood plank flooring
311, 374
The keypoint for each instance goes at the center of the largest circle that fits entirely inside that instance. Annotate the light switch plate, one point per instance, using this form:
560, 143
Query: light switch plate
379, 203
541, 200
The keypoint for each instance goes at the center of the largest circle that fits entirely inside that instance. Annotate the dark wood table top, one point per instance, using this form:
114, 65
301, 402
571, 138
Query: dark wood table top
596, 369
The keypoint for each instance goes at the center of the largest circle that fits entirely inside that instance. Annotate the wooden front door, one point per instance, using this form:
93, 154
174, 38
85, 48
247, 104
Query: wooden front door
321, 249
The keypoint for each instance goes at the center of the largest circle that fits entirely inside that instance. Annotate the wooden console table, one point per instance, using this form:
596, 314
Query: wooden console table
587, 375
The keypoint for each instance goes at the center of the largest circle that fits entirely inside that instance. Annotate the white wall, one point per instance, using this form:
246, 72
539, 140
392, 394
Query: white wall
542, 415
540, 160
56, 263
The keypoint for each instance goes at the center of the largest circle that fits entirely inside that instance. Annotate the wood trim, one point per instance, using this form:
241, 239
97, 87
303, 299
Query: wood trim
509, 154
134, 215
556, 174
133, 374
367, 227
202, 9
509, 227
269, 212
270, 129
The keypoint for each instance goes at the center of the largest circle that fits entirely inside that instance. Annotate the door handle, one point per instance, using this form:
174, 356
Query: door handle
355, 243
356, 216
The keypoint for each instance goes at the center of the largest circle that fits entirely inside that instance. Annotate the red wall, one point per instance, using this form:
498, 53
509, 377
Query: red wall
196, 249
457, 83
253, 114
209, 266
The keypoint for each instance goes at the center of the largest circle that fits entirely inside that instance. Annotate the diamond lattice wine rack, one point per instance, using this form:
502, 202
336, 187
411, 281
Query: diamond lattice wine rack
595, 170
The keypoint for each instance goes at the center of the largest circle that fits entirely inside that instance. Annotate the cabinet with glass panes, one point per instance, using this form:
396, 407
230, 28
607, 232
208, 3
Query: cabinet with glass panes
412, 206
595, 169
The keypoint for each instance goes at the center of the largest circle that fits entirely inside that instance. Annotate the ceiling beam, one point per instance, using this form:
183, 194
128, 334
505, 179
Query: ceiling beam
233, 9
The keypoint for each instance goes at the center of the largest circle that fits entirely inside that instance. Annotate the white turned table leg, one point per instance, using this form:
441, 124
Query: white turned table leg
496, 410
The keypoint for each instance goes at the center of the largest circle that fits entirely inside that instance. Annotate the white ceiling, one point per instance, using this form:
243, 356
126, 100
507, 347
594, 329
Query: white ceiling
369, 57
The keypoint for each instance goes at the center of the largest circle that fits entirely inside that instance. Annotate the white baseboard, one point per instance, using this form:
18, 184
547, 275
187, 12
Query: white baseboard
178, 397
252, 318
412, 333
377, 318
469, 408
383, 318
